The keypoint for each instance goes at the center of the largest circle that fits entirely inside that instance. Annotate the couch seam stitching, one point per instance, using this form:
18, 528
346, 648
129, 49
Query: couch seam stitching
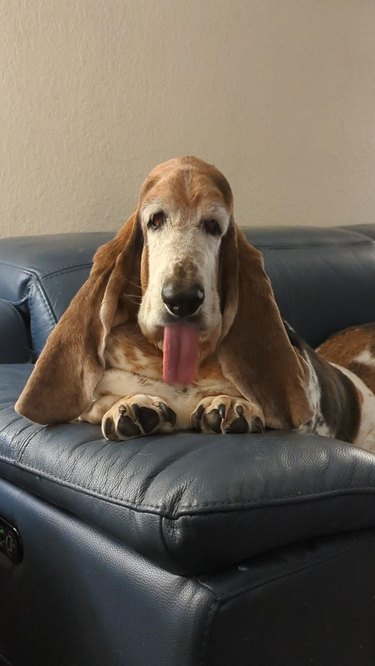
52, 320
204, 644
67, 269
129, 504
37, 275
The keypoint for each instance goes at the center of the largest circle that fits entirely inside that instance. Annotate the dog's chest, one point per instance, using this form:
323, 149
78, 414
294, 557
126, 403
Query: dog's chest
134, 366
130, 352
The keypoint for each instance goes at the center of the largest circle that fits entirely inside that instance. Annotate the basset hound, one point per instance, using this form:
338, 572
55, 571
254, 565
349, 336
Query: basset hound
177, 327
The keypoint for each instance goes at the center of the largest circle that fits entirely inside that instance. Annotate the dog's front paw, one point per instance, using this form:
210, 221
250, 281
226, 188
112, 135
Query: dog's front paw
228, 415
137, 415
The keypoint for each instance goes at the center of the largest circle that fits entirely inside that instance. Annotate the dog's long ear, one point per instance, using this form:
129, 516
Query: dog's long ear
255, 354
61, 385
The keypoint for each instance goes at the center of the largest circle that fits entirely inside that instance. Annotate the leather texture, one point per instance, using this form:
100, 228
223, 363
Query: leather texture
81, 599
15, 343
186, 549
320, 276
308, 604
41, 274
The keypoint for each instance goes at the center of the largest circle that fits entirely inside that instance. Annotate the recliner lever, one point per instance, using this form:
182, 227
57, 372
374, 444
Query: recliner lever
10, 541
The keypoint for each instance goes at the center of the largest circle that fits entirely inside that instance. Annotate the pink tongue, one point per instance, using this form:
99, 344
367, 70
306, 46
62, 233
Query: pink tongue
180, 354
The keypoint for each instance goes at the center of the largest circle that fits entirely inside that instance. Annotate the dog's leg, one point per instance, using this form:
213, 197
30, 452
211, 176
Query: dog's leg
227, 414
137, 415
98, 408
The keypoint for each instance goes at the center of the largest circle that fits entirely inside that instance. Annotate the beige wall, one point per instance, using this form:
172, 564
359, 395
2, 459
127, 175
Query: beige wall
279, 94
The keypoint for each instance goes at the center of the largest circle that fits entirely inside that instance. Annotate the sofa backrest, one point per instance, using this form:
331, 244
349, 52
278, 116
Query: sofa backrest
41, 274
323, 278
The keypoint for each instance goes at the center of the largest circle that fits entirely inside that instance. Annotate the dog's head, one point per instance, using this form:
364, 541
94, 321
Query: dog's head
179, 265
185, 212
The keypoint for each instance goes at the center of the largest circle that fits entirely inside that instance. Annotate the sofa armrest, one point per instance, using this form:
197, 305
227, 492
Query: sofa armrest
15, 344
41, 274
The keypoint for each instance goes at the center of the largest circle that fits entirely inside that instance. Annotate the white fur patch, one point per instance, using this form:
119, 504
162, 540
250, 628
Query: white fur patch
366, 358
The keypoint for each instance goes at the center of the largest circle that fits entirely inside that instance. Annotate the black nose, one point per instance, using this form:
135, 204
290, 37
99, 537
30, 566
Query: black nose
182, 301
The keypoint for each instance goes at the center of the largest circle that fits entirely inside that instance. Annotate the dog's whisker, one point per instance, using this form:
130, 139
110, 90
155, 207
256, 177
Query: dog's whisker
136, 296
132, 300
134, 284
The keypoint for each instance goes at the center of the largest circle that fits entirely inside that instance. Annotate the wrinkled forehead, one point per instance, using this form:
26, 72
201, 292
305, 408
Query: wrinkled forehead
188, 184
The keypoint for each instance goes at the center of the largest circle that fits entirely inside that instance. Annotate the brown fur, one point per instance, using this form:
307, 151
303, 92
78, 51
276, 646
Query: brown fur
256, 354
64, 378
128, 342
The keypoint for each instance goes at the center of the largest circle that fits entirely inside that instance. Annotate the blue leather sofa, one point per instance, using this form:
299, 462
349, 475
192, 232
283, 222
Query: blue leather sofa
184, 550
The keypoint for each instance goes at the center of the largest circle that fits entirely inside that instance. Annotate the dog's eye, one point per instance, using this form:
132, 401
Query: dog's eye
212, 227
156, 220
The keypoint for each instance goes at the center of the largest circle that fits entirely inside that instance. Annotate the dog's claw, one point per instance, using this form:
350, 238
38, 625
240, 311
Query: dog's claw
221, 410
168, 413
109, 430
214, 420
258, 425
196, 417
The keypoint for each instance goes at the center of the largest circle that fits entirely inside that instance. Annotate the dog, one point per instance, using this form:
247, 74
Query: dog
177, 328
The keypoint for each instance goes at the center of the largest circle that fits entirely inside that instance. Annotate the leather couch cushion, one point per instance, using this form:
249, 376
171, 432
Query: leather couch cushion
189, 502
321, 276
15, 343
